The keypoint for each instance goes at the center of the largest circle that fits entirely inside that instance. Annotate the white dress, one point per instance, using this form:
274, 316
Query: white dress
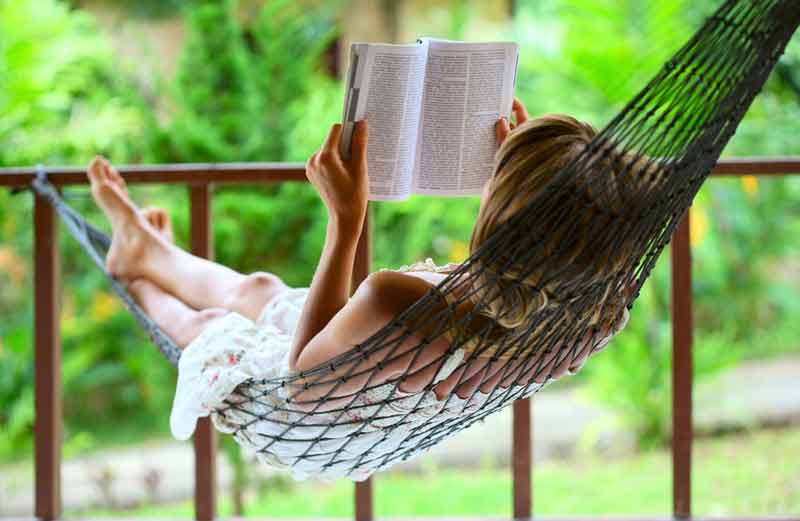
379, 424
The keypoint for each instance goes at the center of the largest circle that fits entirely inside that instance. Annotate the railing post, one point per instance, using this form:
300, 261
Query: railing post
521, 458
47, 377
681, 370
205, 440
361, 269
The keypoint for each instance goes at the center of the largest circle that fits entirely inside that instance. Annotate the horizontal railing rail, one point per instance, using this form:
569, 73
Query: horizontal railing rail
183, 173
201, 173
200, 178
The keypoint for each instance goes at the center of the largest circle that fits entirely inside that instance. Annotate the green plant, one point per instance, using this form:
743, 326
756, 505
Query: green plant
217, 104
286, 77
62, 99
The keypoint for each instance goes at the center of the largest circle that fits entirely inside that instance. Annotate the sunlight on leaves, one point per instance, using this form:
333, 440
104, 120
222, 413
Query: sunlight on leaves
103, 306
750, 185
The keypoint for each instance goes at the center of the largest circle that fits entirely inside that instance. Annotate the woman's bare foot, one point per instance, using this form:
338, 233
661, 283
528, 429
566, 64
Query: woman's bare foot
160, 221
132, 234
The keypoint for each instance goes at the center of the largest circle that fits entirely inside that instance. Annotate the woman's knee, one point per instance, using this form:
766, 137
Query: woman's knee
261, 280
258, 285
253, 292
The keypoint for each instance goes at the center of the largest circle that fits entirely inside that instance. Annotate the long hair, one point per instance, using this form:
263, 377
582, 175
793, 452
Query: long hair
527, 161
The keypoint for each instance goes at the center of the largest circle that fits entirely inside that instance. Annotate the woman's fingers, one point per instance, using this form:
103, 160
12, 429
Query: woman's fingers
520, 112
358, 145
330, 148
502, 129
312, 161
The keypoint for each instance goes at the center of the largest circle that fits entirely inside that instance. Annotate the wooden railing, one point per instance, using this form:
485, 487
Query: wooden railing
199, 178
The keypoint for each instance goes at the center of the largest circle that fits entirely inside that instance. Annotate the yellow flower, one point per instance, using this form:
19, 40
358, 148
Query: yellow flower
750, 185
458, 251
12, 264
698, 225
103, 306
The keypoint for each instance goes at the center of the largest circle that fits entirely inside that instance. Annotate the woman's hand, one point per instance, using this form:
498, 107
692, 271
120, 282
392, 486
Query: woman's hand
342, 183
503, 127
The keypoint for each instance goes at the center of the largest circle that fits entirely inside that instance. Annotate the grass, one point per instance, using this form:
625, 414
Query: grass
755, 473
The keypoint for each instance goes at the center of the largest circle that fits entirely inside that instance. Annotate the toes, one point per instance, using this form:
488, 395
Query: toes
112, 174
158, 218
116, 175
152, 216
104, 169
147, 213
161, 217
95, 170
164, 218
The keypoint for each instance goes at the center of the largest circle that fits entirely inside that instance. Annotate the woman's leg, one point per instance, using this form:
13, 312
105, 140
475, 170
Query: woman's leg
180, 322
139, 251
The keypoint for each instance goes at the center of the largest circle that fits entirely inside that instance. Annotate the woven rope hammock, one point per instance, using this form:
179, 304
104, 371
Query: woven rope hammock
583, 247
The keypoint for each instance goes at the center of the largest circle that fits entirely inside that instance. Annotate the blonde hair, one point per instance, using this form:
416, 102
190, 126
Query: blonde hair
527, 161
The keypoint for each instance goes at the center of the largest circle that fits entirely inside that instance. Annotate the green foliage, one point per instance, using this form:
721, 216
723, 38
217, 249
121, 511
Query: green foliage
286, 76
217, 103
149, 8
232, 88
61, 97
62, 100
313, 116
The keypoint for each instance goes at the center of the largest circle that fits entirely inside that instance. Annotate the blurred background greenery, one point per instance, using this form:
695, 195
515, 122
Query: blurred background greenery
171, 81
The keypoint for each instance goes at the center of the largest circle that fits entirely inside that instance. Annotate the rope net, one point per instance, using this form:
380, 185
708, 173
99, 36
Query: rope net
581, 250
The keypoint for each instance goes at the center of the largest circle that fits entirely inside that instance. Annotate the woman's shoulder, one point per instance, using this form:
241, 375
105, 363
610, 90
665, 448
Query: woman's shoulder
408, 283
394, 290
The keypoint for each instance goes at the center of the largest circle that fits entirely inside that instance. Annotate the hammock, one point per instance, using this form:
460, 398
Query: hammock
636, 179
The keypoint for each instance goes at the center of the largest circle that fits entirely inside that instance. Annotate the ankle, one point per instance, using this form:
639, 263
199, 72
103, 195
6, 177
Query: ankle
154, 256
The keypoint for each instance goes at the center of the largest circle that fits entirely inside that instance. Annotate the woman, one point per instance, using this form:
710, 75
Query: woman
234, 327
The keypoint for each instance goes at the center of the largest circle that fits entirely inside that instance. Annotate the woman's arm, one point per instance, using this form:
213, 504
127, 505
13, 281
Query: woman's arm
342, 185
378, 300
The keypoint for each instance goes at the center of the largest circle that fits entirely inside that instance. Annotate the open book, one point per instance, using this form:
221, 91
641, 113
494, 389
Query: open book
432, 109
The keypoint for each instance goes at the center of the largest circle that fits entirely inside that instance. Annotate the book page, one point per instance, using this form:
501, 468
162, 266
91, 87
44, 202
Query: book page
468, 87
386, 89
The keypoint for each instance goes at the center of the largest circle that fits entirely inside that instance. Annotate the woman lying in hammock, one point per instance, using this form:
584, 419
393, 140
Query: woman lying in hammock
234, 327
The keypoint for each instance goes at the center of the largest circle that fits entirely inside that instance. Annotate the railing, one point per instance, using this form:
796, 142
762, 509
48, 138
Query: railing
200, 179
